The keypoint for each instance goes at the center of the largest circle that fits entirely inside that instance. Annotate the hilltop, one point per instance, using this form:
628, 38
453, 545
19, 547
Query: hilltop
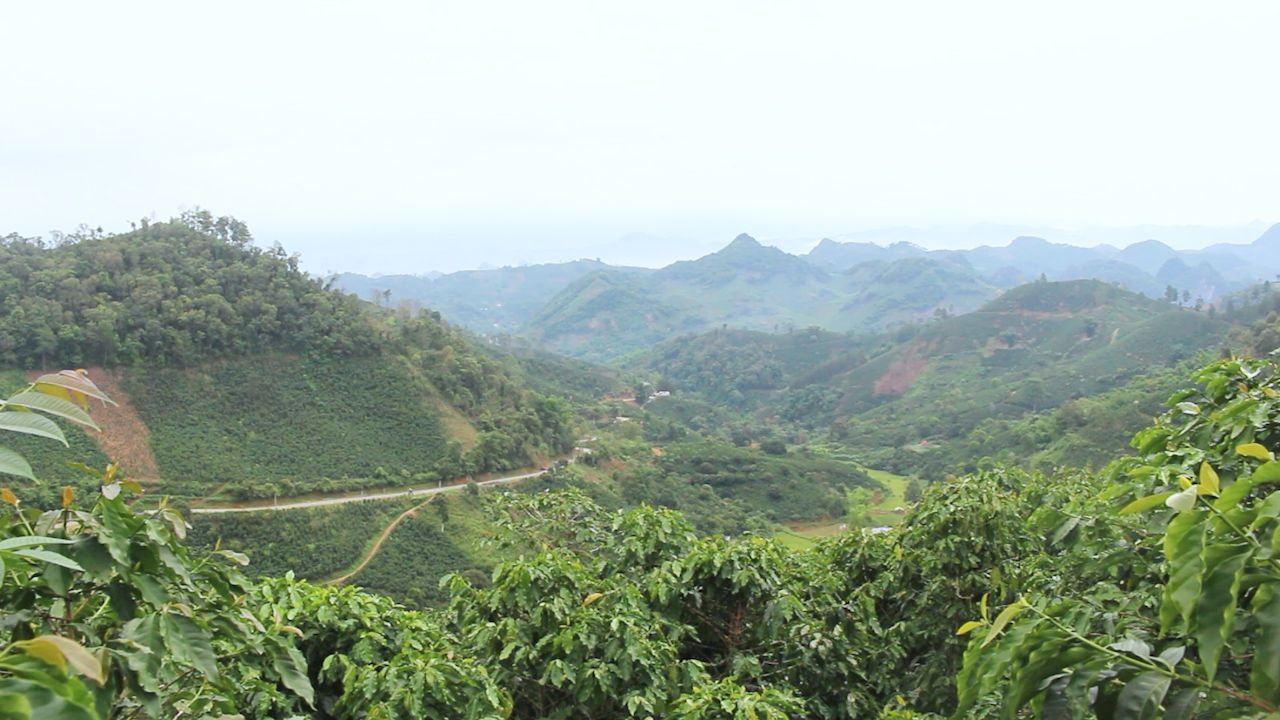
240, 375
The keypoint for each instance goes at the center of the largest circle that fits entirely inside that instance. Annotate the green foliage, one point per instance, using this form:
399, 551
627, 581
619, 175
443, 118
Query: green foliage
727, 700
109, 615
368, 657
413, 559
238, 421
314, 543
174, 293
791, 487
914, 491
1194, 630
273, 377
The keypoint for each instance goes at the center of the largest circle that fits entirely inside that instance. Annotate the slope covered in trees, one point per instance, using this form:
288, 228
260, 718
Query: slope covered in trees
252, 378
494, 300
747, 285
932, 397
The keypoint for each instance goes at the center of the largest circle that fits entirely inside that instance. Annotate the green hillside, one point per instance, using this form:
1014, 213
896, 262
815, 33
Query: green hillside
739, 367
236, 421
494, 300
909, 290
1033, 349
749, 286
605, 315
242, 376
943, 394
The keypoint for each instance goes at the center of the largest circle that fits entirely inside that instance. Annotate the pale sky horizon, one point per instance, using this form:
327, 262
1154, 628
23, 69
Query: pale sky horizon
409, 137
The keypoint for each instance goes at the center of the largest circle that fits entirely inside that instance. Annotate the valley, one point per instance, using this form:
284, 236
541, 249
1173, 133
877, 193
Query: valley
790, 415
603, 361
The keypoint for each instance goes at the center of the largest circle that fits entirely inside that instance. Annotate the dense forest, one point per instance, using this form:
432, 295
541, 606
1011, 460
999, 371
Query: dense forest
1148, 589
175, 293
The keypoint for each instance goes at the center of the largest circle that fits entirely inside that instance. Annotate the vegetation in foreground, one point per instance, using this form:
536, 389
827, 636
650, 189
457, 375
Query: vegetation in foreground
1149, 590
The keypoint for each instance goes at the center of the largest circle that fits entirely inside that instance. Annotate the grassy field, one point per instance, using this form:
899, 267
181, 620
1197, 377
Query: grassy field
882, 513
802, 535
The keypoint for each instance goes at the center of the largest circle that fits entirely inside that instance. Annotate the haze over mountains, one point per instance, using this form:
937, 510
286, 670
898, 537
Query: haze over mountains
598, 311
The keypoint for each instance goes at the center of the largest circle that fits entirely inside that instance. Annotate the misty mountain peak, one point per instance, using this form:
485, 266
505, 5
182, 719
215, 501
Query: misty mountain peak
1270, 238
1029, 241
743, 241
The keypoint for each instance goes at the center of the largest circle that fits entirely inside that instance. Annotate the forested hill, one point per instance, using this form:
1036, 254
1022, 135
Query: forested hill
942, 395
240, 372
747, 285
175, 293
493, 300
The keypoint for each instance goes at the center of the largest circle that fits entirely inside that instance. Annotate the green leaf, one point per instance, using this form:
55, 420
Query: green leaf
1215, 609
29, 540
1267, 472
292, 667
11, 463
1264, 675
1141, 697
47, 699
1183, 704
1183, 545
44, 649
1005, 617
31, 424
1132, 646
54, 406
1255, 450
970, 626
49, 557
1143, 504
189, 642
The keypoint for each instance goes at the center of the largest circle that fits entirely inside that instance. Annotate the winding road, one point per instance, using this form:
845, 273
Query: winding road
346, 498
377, 544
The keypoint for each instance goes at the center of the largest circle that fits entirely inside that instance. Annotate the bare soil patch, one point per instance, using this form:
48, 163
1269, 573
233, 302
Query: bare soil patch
125, 438
904, 371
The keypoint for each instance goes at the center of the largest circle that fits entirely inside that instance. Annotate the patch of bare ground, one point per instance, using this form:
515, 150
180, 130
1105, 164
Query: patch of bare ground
904, 371
125, 438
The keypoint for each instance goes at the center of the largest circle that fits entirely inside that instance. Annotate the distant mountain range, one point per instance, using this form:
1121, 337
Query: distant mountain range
599, 311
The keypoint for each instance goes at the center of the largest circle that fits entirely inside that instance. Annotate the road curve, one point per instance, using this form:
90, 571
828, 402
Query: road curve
345, 499
377, 544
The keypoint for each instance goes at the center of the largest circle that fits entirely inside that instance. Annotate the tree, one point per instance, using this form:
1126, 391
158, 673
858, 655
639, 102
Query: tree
914, 492
774, 446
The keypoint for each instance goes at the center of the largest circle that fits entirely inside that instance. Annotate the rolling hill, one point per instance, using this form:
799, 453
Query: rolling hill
498, 300
240, 375
900, 400
749, 286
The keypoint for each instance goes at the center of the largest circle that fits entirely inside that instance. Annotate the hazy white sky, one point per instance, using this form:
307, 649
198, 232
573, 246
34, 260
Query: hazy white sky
405, 137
